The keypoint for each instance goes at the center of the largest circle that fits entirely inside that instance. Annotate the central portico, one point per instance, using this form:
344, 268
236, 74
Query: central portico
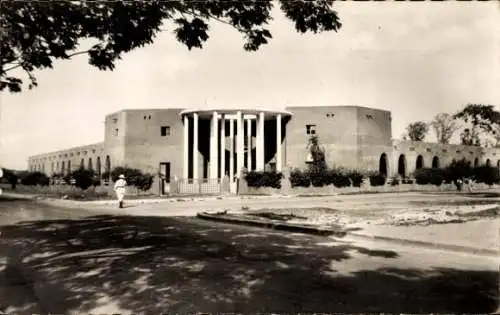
237, 139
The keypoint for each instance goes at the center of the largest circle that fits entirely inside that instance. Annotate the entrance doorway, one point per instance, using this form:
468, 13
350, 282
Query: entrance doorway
165, 177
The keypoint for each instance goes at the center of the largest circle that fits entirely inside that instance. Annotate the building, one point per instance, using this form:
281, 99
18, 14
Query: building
204, 145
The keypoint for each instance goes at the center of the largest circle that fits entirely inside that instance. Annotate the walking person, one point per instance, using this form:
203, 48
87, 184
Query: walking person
119, 188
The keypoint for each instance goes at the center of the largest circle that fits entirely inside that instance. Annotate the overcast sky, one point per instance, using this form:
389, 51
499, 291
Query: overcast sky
414, 59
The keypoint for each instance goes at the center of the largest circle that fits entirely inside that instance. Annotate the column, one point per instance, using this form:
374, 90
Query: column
231, 149
222, 146
249, 144
195, 146
214, 148
239, 144
185, 170
279, 160
260, 142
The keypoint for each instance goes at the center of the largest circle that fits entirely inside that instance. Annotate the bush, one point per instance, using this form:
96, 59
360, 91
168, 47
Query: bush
134, 177
459, 169
377, 179
35, 178
83, 178
486, 174
299, 178
264, 179
396, 180
356, 177
318, 177
339, 178
434, 176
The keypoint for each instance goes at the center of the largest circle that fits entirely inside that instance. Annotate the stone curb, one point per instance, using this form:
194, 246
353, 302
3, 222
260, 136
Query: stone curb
335, 232
273, 224
429, 245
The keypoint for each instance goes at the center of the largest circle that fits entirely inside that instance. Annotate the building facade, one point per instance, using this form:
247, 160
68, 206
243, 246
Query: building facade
202, 145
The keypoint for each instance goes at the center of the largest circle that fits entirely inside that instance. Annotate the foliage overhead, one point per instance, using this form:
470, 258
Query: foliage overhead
470, 137
417, 130
484, 117
444, 126
33, 34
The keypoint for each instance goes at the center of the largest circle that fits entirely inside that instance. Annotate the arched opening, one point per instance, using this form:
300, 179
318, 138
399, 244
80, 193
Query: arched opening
420, 162
435, 162
108, 164
98, 166
476, 162
402, 165
90, 167
488, 162
382, 166
82, 164
69, 167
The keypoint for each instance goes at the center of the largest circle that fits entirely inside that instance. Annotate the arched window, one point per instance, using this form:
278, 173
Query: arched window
476, 162
98, 166
435, 162
63, 169
82, 164
488, 162
402, 165
90, 165
382, 166
420, 162
108, 164
69, 167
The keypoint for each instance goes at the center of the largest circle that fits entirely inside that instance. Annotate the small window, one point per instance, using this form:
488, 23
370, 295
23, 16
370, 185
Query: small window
428, 150
149, 117
458, 151
93, 151
444, 150
115, 120
85, 152
311, 129
115, 133
369, 116
165, 131
412, 149
145, 117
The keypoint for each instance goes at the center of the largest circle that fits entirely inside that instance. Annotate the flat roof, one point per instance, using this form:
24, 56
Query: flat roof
232, 111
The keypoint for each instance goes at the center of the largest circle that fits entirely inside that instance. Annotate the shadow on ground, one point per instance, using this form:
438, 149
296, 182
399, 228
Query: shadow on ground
167, 265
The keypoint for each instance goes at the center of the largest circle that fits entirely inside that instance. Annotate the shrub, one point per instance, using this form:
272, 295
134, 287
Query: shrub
486, 174
134, 177
459, 169
83, 178
339, 178
299, 178
35, 178
356, 177
396, 180
434, 176
377, 179
318, 177
264, 179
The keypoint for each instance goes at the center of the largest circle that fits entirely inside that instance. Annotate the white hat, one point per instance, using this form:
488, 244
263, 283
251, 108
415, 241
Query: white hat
121, 176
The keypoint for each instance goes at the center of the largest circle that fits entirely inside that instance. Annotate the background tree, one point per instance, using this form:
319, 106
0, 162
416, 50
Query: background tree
483, 119
318, 154
417, 130
444, 126
33, 34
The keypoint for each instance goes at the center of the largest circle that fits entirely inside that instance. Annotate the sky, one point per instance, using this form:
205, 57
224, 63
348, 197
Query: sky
414, 59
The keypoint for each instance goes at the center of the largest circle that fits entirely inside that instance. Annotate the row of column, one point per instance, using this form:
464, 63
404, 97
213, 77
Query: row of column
218, 145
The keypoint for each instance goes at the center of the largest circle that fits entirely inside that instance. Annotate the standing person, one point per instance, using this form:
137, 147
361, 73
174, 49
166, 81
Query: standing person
120, 186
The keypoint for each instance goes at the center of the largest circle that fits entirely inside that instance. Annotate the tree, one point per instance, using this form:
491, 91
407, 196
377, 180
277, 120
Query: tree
444, 126
318, 154
482, 118
470, 137
417, 130
33, 34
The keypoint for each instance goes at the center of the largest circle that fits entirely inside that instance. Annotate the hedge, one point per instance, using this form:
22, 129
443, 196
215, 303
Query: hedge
134, 177
459, 170
377, 179
264, 179
338, 177
35, 178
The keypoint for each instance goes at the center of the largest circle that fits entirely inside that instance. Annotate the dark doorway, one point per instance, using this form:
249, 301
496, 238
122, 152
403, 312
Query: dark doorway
435, 162
165, 177
382, 166
488, 162
420, 162
402, 165
476, 162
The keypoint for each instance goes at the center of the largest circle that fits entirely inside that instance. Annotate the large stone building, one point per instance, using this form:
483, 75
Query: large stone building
203, 145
